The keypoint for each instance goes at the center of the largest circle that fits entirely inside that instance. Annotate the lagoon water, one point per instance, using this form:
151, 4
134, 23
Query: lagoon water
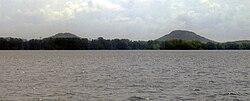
124, 75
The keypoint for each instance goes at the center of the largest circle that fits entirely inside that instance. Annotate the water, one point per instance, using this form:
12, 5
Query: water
124, 75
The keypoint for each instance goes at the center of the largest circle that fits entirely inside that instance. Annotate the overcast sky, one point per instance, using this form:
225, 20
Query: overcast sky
220, 20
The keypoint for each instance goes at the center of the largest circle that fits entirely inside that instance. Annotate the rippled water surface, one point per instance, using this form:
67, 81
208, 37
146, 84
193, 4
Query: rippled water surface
125, 75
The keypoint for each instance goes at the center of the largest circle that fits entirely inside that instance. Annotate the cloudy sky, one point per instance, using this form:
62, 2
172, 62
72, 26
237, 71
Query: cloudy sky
220, 20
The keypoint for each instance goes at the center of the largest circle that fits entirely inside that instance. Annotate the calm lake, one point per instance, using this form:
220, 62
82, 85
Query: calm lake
125, 75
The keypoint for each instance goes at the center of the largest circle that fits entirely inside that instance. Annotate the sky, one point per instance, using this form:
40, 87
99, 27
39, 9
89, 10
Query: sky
219, 20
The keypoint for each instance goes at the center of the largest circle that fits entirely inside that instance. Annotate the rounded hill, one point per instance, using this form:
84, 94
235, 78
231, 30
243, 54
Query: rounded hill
184, 35
64, 35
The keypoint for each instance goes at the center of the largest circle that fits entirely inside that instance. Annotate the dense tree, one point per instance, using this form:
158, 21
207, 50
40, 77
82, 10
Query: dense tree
181, 45
35, 44
245, 46
64, 44
232, 46
115, 44
153, 45
4, 44
11, 43
210, 46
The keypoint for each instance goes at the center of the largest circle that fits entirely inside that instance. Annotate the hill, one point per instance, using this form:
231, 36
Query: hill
184, 35
64, 35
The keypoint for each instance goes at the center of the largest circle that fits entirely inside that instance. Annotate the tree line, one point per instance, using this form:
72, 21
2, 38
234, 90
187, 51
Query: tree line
114, 44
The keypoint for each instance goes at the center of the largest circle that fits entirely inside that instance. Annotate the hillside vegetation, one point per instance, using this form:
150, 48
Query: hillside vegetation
115, 44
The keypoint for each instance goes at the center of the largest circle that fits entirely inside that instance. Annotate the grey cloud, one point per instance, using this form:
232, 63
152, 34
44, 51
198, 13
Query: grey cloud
134, 19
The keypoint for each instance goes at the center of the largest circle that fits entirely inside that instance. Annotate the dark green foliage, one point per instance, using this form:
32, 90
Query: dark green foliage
64, 44
139, 45
11, 44
34, 44
153, 45
4, 44
245, 46
115, 44
181, 45
232, 46
210, 46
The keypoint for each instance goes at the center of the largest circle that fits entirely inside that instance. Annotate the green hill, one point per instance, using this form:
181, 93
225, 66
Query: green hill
64, 35
184, 35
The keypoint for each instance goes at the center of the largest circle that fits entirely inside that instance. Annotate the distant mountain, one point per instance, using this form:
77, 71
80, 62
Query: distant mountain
64, 35
184, 35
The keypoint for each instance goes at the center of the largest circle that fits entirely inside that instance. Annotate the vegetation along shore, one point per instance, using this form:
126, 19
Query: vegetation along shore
176, 40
